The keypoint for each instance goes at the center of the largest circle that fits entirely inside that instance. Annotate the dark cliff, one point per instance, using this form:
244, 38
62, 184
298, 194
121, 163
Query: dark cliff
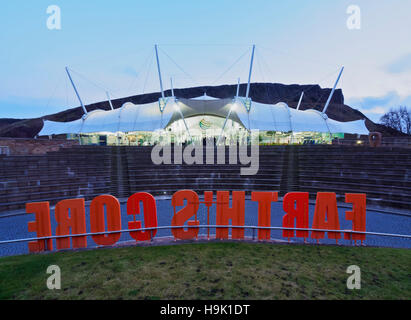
315, 97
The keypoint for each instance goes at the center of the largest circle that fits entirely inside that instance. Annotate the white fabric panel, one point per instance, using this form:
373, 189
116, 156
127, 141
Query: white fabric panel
282, 117
130, 117
357, 126
52, 127
205, 97
266, 117
277, 118
308, 120
147, 117
99, 120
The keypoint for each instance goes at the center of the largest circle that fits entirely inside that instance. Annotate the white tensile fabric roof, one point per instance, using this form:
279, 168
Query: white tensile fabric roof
147, 117
128, 118
280, 117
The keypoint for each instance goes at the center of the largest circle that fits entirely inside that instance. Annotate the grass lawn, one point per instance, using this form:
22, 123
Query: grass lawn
227, 270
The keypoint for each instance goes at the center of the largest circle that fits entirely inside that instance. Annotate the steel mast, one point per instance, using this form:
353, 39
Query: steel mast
332, 91
75, 90
301, 99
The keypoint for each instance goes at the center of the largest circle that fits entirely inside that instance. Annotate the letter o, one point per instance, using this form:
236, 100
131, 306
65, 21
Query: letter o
97, 220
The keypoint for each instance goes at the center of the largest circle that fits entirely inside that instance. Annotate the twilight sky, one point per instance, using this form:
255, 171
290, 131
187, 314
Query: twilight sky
109, 46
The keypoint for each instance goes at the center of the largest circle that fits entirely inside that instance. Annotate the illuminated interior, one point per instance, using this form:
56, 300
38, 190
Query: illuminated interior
199, 128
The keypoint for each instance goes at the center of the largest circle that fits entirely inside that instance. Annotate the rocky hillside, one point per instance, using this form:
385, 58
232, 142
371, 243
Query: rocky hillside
315, 97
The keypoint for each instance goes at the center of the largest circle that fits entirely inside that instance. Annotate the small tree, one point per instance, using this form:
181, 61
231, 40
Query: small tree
398, 119
405, 116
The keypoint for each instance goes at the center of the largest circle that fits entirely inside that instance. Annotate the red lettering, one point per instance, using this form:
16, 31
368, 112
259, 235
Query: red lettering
150, 215
41, 226
97, 219
357, 215
264, 200
295, 204
184, 214
236, 214
76, 221
326, 216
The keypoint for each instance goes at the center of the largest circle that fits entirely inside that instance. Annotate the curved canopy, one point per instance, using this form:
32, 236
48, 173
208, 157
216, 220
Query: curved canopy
212, 107
147, 117
280, 117
128, 118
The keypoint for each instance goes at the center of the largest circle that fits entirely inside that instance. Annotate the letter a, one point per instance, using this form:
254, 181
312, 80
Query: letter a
54, 20
354, 20
54, 281
354, 281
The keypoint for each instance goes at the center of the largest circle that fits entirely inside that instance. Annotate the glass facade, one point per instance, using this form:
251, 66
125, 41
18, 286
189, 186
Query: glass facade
197, 128
201, 127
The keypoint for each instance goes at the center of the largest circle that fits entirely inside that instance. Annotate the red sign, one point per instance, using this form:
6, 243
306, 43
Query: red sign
71, 218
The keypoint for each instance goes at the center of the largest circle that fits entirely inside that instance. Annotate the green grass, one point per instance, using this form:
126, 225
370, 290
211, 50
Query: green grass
211, 271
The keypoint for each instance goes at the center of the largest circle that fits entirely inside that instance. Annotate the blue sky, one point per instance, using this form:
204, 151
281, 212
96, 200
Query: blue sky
109, 45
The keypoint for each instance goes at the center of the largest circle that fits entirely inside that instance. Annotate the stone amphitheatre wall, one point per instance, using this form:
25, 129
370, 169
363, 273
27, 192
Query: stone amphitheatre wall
384, 174
399, 142
16, 146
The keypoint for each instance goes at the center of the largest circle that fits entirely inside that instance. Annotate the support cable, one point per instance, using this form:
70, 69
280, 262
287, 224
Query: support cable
327, 76
178, 66
231, 66
140, 70
148, 72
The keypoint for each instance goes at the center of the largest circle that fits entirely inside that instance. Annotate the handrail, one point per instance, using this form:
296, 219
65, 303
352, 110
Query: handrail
206, 226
